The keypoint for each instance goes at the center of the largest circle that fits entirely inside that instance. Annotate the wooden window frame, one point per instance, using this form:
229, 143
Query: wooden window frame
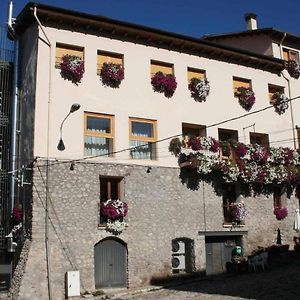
195, 73
230, 195
225, 130
143, 138
69, 49
112, 57
110, 135
194, 127
240, 82
287, 53
272, 89
261, 136
162, 65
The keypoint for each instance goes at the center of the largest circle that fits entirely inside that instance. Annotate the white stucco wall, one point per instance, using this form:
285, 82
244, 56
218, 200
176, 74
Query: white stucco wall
135, 98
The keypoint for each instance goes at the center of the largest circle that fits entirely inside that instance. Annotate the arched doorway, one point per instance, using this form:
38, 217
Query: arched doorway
110, 263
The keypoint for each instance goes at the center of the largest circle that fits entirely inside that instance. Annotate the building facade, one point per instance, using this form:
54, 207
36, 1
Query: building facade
116, 147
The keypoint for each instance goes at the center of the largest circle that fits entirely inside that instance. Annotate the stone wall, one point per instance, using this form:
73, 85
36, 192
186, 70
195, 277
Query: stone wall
161, 209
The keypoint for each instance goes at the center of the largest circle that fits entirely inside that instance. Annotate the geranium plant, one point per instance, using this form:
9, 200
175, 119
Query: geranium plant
257, 169
72, 68
280, 213
112, 74
114, 211
199, 89
246, 97
293, 68
164, 83
280, 102
238, 211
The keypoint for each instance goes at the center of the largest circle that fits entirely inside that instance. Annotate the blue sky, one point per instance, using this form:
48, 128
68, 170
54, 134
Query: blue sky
189, 17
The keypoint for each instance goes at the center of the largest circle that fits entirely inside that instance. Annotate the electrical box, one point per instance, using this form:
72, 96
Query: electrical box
72, 284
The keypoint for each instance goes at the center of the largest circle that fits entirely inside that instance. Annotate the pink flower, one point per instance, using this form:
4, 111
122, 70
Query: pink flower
164, 83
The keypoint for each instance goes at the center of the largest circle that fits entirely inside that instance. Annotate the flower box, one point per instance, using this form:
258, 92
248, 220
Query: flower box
112, 74
72, 68
164, 83
293, 68
246, 97
280, 102
199, 89
280, 213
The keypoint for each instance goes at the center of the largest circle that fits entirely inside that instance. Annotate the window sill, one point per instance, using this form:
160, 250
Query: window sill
233, 225
103, 226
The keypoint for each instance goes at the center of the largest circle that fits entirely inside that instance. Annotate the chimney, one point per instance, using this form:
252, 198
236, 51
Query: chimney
251, 21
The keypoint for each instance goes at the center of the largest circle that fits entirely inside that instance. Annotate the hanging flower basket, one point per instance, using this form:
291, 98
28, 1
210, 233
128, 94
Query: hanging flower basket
280, 103
246, 97
238, 211
114, 209
112, 74
164, 83
280, 213
72, 68
293, 68
199, 89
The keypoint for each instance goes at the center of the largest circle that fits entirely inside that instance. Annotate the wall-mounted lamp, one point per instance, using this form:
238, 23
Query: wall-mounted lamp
72, 166
149, 169
61, 145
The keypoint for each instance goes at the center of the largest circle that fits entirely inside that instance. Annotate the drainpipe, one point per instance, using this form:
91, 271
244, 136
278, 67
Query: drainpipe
291, 106
289, 91
15, 104
47, 246
280, 45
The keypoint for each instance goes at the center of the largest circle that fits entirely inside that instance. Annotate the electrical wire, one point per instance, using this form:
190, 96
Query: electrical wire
174, 136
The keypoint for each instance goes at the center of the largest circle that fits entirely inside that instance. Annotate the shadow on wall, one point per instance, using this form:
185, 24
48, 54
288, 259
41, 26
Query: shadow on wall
280, 282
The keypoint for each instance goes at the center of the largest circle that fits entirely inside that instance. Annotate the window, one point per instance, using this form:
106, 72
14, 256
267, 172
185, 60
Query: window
192, 130
108, 57
142, 134
98, 134
261, 139
110, 188
229, 197
274, 89
63, 49
289, 54
240, 82
161, 67
226, 135
195, 73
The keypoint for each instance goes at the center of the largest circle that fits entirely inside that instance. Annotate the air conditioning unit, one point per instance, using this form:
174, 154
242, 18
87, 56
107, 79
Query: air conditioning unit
178, 247
178, 262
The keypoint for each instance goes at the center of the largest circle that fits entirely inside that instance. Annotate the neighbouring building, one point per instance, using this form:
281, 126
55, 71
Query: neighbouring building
138, 88
6, 88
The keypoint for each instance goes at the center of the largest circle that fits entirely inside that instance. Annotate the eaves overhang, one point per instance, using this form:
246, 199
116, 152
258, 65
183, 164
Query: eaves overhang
102, 26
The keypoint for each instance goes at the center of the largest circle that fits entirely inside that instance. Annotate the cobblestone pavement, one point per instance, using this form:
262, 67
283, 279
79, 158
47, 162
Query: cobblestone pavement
281, 282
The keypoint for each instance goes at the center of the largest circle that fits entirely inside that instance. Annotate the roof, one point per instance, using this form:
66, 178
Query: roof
103, 26
275, 34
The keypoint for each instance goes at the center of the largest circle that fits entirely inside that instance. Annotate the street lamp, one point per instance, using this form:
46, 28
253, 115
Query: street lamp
61, 145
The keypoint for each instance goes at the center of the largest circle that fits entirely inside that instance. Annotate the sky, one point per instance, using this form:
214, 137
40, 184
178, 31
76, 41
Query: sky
188, 17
